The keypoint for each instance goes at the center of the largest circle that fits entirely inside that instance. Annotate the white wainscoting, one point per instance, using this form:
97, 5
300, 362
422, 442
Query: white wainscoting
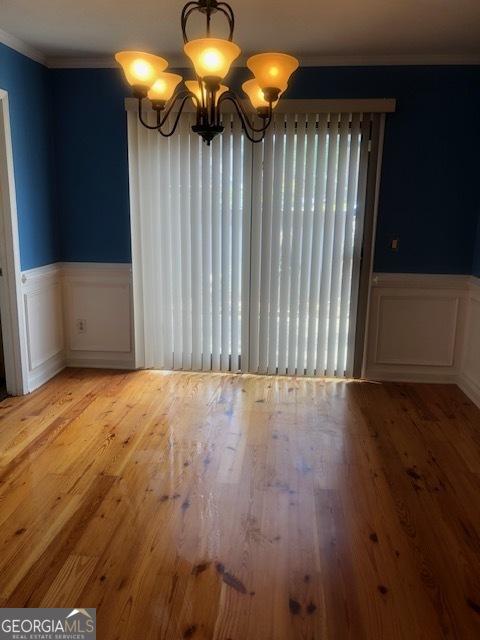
417, 327
56, 297
421, 327
43, 305
100, 297
469, 379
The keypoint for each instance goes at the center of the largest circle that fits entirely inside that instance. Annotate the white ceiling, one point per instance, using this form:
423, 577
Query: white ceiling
314, 30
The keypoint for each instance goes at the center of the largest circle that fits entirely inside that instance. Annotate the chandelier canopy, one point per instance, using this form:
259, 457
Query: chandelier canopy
211, 59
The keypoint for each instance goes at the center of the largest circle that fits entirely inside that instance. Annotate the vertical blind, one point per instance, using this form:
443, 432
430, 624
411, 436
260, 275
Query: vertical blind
246, 257
188, 226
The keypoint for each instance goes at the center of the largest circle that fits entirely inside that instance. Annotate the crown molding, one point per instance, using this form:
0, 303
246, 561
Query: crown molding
178, 62
389, 60
82, 63
22, 47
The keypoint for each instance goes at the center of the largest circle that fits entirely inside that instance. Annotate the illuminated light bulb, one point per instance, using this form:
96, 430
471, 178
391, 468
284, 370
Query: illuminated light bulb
164, 86
140, 69
192, 85
272, 70
255, 93
212, 60
159, 86
211, 57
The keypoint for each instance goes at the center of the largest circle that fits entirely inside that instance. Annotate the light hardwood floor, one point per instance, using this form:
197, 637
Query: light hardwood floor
222, 507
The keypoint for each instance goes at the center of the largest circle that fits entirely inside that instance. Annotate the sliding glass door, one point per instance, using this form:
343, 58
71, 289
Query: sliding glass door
246, 257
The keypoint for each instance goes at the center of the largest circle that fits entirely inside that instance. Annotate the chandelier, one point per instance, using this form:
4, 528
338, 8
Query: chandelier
211, 58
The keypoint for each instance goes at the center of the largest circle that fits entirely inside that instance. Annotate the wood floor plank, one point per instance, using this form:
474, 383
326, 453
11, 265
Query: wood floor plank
69, 582
224, 507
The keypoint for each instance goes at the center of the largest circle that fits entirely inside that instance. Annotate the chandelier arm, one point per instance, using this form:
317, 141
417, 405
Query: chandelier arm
208, 17
207, 7
195, 99
187, 10
227, 11
180, 110
229, 95
178, 96
245, 122
203, 93
140, 117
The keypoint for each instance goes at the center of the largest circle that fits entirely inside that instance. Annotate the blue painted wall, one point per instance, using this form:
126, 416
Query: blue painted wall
92, 165
72, 195
428, 193
27, 83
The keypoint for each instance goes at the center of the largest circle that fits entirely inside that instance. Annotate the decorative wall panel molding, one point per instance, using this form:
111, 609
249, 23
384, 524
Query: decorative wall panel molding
469, 379
43, 304
416, 327
98, 315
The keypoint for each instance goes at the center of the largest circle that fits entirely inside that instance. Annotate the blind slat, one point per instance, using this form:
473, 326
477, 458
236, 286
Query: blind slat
237, 239
265, 251
277, 217
226, 225
185, 245
164, 268
255, 255
327, 250
286, 244
337, 244
317, 241
246, 253
348, 243
207, 258
196, 244
216, 273
297, 232
305, 272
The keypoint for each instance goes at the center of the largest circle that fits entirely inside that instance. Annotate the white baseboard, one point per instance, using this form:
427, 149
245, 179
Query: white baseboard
101, 363
410, 375
46, 370
470, 388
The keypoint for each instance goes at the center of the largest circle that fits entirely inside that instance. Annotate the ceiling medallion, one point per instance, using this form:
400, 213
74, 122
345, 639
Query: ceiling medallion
211, 59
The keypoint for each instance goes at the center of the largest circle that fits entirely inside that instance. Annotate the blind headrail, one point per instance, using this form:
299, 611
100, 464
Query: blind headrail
354, 105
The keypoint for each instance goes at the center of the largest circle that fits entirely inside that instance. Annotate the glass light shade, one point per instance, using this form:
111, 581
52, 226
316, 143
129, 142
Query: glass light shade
211, 57
253, 91
164, 86
140, 69
272, 70
192, 85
